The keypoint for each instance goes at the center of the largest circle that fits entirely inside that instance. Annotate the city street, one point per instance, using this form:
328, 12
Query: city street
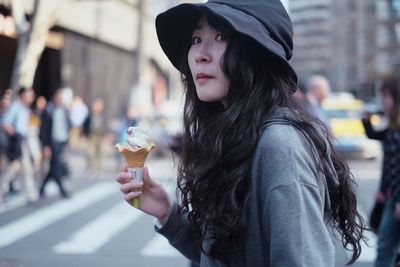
95, 227
82, 72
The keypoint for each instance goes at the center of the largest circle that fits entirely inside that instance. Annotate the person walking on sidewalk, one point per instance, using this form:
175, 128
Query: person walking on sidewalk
5, 102
259, 181
15, 124
317, 90
389, 191
95, 129
55, 134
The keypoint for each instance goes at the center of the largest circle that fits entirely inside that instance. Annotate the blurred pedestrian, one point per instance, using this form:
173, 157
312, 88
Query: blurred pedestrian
34, 142
78, 113
15, 123
55, 135
94, 129
5, 102
389, 191
131, 119
301, 93
259, 181
317, 90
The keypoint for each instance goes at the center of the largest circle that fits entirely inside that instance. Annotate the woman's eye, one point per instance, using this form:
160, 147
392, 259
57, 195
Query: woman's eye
196, 40
220, 37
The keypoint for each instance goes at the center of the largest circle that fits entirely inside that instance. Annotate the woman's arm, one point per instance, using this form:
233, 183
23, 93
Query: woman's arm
370, 131
156, 202
296, 229
179, 235
295, 204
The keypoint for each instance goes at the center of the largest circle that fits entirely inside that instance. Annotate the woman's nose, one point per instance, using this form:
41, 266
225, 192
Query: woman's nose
203, 55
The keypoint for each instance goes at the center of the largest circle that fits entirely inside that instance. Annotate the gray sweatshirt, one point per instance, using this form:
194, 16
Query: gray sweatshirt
287, 208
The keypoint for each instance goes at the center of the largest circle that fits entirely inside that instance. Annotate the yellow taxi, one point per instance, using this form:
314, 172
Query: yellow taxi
344, 113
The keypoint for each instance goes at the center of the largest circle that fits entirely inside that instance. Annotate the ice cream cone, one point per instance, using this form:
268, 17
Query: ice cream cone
135, 158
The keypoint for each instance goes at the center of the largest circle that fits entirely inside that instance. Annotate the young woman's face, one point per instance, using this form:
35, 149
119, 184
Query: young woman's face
387, 102
205, 61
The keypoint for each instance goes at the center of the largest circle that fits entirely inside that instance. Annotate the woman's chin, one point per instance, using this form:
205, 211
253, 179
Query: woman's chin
210, 98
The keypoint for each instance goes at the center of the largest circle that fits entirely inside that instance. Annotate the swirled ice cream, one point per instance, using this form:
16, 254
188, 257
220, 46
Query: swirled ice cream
135, 150
136, 137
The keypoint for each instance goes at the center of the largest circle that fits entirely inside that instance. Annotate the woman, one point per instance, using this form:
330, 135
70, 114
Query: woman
259, 183
389, 192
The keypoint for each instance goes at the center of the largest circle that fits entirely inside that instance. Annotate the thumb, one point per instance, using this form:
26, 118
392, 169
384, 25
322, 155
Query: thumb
123, 168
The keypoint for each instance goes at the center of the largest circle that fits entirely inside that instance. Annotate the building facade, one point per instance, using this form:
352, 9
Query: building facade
93, 49
352, 42
388, 34
312, 25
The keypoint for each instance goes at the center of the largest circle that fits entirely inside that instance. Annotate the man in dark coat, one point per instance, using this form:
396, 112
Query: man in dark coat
54, 136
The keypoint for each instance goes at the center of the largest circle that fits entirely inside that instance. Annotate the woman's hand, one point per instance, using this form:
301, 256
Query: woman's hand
154, 201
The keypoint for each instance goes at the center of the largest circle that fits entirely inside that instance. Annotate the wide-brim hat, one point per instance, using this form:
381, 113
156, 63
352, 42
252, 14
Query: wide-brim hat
264, 21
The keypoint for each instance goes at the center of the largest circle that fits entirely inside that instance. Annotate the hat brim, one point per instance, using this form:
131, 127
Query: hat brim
174, 25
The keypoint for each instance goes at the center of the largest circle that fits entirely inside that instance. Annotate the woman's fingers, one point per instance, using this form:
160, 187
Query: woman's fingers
124, 168
123, 177
131, 195
132, 186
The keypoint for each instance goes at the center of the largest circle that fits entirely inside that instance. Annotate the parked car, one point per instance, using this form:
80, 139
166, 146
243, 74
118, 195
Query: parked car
344, 113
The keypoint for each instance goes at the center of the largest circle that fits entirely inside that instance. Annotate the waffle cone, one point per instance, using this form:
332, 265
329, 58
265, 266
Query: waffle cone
134, 157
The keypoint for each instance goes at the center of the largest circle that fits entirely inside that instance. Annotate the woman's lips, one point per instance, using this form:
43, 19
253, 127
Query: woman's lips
203, 78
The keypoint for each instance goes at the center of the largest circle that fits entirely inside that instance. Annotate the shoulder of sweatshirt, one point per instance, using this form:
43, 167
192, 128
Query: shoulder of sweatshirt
283, 156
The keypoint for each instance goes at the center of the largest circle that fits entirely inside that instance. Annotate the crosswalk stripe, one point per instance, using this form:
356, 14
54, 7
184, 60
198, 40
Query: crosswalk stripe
95, 234
18, 201
159, 247
40, 219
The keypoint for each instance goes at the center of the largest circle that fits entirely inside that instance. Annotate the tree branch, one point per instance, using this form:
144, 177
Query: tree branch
18, 13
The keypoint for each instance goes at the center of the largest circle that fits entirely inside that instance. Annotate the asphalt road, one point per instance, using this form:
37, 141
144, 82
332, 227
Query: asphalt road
366, 174
96, 228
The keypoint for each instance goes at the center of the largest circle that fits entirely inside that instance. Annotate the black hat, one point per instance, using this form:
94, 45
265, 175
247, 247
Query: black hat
264, 21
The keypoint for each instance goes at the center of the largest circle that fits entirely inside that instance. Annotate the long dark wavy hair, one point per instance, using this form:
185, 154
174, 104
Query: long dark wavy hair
220, 140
